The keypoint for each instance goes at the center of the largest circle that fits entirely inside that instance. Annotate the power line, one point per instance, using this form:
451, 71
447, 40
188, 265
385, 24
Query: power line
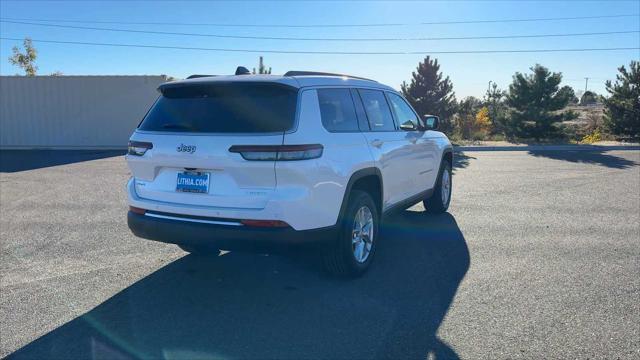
317, 38
331, 25
582, 79
325, 52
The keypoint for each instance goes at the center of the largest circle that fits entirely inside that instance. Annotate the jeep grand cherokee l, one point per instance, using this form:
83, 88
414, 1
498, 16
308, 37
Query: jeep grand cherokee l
260, 161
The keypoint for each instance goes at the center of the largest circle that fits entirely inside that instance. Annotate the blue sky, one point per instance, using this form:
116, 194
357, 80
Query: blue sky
470, 73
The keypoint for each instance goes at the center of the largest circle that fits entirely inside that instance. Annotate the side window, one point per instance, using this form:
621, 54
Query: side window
402, 110
337, 111
377, 109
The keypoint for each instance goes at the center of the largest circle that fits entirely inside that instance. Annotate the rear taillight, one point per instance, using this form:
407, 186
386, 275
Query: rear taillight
138, 148
278, 152
137, 210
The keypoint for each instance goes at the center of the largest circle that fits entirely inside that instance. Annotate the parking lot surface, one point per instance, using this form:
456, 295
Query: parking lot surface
538, 257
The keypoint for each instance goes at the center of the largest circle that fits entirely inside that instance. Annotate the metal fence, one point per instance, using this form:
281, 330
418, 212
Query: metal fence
73, 112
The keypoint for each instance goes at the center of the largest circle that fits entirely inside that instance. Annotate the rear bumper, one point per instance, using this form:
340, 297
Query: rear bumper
225, 237
303, 207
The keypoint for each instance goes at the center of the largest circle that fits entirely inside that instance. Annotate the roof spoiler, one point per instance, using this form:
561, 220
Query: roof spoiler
317, 73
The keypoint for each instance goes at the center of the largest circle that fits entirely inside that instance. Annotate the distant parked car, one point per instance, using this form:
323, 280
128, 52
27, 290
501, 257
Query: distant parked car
260, 161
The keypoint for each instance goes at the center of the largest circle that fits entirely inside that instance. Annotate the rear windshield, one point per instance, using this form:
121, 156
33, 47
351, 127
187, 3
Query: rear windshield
223, 108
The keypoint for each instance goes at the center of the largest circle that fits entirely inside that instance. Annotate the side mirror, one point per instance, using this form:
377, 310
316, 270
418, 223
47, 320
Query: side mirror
408, 126
431, 122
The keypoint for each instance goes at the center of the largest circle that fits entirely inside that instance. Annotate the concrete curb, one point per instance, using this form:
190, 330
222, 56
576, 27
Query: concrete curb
548, 148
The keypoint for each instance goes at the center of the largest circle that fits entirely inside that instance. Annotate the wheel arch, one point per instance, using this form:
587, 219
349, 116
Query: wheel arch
367, 179
447, 155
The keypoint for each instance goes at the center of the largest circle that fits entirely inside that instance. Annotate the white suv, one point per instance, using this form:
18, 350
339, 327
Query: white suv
257, 161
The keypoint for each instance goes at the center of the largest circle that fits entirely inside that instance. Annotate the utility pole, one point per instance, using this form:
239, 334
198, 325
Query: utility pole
586, 83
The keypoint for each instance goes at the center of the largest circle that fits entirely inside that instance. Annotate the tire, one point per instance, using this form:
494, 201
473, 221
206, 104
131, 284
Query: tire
349, 256
438, 202
200, 250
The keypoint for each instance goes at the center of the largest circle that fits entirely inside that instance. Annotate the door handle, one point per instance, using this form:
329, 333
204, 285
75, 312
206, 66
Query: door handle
377, 143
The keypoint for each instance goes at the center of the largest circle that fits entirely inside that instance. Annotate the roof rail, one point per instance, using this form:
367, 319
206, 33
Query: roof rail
194, 76
312, 73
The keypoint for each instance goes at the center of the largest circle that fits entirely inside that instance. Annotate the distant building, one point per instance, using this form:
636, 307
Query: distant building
73, 112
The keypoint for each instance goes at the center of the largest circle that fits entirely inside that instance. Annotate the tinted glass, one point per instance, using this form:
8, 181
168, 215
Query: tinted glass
223, 108
402, 110
337, 111
377, 109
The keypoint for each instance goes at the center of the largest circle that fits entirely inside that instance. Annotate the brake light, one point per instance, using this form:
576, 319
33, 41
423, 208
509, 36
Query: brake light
278, 152
264, 223
138, 148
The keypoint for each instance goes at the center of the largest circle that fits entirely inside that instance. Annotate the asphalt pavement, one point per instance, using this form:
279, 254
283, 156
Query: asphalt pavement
538, 257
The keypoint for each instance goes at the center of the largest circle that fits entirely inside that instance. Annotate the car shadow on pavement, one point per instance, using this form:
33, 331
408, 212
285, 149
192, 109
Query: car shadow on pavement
257, 306
21, 160
596, 157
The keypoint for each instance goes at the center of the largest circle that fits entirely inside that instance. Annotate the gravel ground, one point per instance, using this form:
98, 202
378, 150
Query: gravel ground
539, 256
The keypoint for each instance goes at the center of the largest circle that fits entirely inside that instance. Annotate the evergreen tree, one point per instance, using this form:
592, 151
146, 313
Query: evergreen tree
494, 100
573, 99
535, 101
588, 98
622, 108
430, 93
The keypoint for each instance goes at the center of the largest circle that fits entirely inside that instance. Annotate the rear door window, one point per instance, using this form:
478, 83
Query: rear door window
377, 110
337, 111
223, 108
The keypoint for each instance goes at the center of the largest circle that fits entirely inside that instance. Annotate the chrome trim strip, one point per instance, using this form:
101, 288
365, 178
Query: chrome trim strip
214, 222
